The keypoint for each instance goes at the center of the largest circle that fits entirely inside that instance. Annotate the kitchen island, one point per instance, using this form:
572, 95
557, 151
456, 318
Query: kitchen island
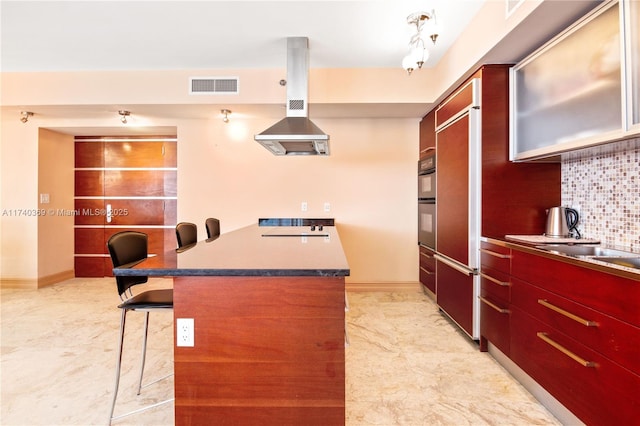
268, 309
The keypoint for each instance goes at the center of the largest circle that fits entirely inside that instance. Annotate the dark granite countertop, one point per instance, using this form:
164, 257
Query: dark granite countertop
582, 261
253, 251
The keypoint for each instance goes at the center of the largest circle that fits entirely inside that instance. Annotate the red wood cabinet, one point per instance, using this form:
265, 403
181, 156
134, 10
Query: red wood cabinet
268, 351
575, 331
427, 134
495, 296
428, 269
452, 198
600, 393
455, 295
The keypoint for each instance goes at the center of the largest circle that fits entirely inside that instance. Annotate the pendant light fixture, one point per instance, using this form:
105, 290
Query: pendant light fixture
424, 22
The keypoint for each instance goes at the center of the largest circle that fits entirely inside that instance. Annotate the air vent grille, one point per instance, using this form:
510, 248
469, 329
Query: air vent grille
213, 85
296, 104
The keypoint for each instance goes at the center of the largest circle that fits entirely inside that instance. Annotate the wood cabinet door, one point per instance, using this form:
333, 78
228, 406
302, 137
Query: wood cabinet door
452, 191
455, 295
122, 184
428, 134
597, 390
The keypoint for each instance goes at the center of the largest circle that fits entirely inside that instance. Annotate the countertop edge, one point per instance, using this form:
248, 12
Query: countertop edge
172, 272
581, 262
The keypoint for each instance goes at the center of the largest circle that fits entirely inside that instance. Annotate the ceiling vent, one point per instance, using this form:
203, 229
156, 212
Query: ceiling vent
213, 85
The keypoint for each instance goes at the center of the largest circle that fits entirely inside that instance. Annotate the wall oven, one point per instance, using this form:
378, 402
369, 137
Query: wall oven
427, 201
427, 223
427, 178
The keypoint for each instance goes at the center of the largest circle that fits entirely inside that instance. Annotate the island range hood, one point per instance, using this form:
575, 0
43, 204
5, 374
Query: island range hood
296, 134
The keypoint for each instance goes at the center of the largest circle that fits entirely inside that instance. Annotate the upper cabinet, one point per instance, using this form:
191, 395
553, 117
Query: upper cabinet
632, 28
581, 88
428, 134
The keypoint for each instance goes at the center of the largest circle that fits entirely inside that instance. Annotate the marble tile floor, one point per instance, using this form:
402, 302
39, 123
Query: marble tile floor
406, 364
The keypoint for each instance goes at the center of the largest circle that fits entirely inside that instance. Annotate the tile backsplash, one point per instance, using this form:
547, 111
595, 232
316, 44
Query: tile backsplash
603, 184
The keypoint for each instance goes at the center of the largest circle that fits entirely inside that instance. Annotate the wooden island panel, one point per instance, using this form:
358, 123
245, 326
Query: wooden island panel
269, 350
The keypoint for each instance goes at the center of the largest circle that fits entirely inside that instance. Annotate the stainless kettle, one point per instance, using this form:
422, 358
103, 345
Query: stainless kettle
561, 221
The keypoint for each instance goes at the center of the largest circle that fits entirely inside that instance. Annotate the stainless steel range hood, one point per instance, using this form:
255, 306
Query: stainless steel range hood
296, 134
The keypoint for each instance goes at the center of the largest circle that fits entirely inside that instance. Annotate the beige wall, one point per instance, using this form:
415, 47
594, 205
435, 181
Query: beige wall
18, 231
55, 226
369, 180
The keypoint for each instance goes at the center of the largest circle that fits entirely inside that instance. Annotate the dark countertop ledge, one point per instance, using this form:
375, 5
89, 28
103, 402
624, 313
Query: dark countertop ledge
585, 262
245, 252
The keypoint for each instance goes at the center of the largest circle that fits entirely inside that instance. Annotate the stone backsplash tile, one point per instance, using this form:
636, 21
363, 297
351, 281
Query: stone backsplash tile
603, 184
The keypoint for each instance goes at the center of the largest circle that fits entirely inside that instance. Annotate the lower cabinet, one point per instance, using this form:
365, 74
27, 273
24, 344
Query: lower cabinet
428, 269
495, 296
574, 330
455, 296
596, 389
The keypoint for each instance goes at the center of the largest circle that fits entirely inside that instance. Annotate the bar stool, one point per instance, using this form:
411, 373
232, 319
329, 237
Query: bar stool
213, 227
186, 233
126, 249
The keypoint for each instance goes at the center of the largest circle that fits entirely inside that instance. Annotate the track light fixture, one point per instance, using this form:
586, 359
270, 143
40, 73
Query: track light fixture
123, 115
418, 52
24, 116
225, 112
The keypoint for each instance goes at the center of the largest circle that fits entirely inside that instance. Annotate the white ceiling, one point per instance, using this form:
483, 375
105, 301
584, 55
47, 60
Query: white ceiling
192, 35
138, 35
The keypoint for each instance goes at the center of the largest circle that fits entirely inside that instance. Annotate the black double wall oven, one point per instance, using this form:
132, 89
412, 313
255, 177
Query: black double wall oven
427, 201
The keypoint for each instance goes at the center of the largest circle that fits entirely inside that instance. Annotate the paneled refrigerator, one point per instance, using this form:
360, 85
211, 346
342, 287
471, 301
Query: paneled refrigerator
458, 188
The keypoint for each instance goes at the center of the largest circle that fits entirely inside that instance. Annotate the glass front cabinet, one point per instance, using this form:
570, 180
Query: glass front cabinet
581, 88
632, 29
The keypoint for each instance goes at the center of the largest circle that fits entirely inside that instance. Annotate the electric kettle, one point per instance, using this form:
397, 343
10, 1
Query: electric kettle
561, 221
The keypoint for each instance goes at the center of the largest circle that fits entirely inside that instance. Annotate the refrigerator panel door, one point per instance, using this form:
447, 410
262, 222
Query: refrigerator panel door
452, 234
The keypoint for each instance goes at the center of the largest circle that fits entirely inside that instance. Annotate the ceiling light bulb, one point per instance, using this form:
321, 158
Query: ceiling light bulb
408, 63
25, 116
225, 112
123, 115
419, 55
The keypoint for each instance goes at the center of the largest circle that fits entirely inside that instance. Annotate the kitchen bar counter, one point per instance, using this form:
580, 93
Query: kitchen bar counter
269, 326
254, 251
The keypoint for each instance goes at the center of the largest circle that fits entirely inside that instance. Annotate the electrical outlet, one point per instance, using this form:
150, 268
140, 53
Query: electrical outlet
304, 206
327, 206
184, 332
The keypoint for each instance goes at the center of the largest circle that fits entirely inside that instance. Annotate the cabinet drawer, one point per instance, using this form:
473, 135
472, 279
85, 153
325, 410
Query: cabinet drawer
495, 257
496, 283
428, 269
601, 393
614, 339
615, 296
494, 321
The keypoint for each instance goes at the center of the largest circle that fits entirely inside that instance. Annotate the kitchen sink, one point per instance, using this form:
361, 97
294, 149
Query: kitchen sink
629, 262
586, 250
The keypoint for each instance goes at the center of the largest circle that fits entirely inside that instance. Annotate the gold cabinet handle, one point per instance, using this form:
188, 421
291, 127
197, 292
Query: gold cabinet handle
426, 255
567, 314
494, 306
493, 280
496, 254
427, 271
567, 352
